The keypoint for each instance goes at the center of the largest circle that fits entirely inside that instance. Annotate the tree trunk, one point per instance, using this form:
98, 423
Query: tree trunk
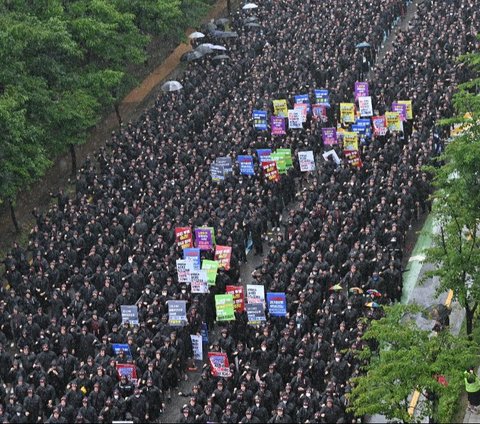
117, 112
73, 155
14, 217
229, 7
469, 314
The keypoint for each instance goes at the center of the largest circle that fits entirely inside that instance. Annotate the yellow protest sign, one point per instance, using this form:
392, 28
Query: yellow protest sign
280, 108
350, 140
347, 112
394, 122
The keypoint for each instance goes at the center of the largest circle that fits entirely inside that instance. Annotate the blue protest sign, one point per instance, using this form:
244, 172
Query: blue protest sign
217, 172
121, 347
204, 332
277, 304
305, 99
129, 314
226, 162
260, 120
193, 252
264, 155
322, 97
246, 165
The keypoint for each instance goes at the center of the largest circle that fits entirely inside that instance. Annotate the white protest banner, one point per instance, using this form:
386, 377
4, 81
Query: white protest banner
199, 281
334, 156
255, 293
184, 268
294, 119
365, 106
306, 160
197, 347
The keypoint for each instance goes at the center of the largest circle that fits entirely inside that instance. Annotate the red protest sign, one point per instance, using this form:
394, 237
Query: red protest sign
238, 297
353, 158
184, 237
223, 255
271, 171
127, 369
219, 364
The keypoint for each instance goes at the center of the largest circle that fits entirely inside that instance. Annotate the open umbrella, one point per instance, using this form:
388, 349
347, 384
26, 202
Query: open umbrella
336, 287
191, 55
225, 34
205, 48
220, 57
356, 290
217, 47
172, 86
374, 293
362, 45
249, 6
250, 19
253, 25
372, 305
196, 34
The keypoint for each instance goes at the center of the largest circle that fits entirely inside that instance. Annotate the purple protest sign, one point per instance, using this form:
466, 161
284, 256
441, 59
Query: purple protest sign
329, 136
401, 108
203, 238
278, 125
361, 89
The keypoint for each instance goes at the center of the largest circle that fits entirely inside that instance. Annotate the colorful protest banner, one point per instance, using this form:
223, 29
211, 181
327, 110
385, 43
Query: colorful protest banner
303, 109
219, 364
204, 238
287, 154
277, 304
217, 172
211, 267
128, 370
255, 293
353, 158
204, 332
238, 297
199, 281
177, 312
192, 253
347, 113
306, 161
350, 140
260, 120
401, 108
407, 103
255, 313
129, 314
271, 171
264, 155
223, 255
197, 347
361, 89
246, 165
320, 112
322, 97
184, 237
329, 136
226, 162
224, 307
294, 119
121, 347
280, 108
394, 123
379, 125
303, 99
278, 125
365, 106
184, 269
280, 161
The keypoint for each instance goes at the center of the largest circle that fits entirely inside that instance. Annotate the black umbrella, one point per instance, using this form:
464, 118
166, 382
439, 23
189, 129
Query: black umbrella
225, 34
253, 25
191, 55
362, 45
220, 57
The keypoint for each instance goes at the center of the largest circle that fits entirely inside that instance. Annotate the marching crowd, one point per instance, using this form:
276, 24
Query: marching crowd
112, 243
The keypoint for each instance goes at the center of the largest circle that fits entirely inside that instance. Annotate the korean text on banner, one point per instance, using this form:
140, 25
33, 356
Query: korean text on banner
329, 136
361, 89
255, 293
246, 165
322, 97
204, 238
271, 171
347, 113
193, 254
379, 125
280, 107
264, 155
255, 313
365, 106
306, 161
260, 120
278, 125
277, 304
238, 297
350, 140
199, 281
224, 307
407, 103
394, 123
295, 120
211, 267
184, 237
129, 314
197, 347
223, 255
177, 312
219, 364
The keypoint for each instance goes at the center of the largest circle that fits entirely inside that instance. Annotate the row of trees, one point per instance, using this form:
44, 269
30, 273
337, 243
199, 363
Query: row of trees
62, 64
400, 356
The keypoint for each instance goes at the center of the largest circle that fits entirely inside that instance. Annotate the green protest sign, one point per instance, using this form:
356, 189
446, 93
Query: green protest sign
211, 267
224, 306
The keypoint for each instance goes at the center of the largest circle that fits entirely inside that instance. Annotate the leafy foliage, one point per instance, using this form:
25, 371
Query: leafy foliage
404, 358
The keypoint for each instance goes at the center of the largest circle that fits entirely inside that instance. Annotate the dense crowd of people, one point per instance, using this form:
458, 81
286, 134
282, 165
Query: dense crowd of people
112, 243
